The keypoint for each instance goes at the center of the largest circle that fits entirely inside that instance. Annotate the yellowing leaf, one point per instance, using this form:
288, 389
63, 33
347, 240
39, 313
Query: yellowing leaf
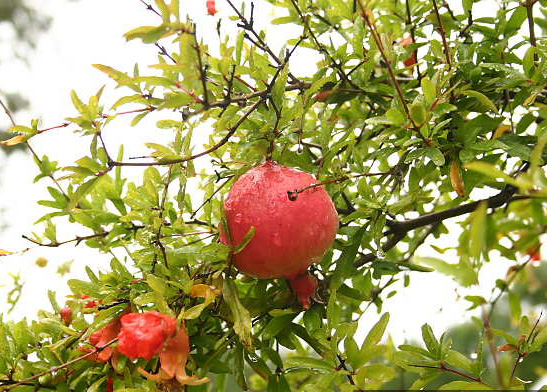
500, 131
14, 140
203, 290
456, 178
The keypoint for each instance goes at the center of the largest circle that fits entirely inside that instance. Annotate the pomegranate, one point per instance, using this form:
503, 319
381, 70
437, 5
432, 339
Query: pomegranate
292, 230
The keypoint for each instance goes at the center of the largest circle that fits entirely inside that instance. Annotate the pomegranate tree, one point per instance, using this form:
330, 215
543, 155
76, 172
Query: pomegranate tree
294, 225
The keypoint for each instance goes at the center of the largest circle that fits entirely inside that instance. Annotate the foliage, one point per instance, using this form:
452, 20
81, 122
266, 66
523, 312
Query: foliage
399, 149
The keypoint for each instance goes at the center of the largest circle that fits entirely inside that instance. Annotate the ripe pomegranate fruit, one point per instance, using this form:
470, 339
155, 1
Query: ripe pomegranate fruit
292, 231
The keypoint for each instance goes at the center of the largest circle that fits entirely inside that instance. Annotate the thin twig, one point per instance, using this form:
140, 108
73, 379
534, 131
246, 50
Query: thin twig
442, 367
203, 153
443, 34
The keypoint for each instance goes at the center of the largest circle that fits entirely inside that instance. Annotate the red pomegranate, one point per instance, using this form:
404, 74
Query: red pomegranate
290, 233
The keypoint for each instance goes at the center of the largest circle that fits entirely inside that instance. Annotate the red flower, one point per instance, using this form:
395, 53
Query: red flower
211, 10
90, 304
66, 315
101, 337
142, 335
173, 360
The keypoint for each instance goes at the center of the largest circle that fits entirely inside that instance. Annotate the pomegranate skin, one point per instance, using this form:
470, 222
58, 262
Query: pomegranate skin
289, 235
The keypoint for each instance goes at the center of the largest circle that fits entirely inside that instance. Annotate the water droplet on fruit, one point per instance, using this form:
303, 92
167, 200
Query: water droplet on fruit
276, 239
380, 254
238, 217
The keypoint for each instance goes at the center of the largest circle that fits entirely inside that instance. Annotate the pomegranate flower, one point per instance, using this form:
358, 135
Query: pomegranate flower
101, 337
173, 360
211, 9
66, 315
142, 335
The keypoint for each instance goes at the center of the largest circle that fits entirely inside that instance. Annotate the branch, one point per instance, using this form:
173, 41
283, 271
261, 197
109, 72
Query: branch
248, 26
399, 230
443, 368
376, 36
529, 4
192, 157
443, 34
8, 112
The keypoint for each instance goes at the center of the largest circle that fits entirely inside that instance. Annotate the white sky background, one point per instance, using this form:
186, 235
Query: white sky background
87, 32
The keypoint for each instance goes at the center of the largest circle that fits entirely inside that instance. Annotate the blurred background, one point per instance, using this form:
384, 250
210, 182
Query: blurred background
46, 50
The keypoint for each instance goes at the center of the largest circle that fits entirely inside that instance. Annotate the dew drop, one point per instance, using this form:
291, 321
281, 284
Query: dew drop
238, 217
276, 239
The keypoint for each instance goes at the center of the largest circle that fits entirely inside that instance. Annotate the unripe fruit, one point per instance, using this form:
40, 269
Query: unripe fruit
292, 230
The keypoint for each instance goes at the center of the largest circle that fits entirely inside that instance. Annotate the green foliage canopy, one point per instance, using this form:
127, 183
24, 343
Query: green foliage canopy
401, 149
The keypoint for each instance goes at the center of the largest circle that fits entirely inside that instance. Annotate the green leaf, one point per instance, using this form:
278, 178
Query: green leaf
477, 231
240, 315
375, 334
276, 325
516, 20
82, 190
310, 363
429, 90
375, 372
467, 5
429, 339
493, 172
278, 89
459, 360
463, 273
483, 99
464, 386
435, 155
245, 241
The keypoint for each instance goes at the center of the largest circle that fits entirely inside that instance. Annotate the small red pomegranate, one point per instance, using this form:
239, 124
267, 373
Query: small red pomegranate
291, 233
